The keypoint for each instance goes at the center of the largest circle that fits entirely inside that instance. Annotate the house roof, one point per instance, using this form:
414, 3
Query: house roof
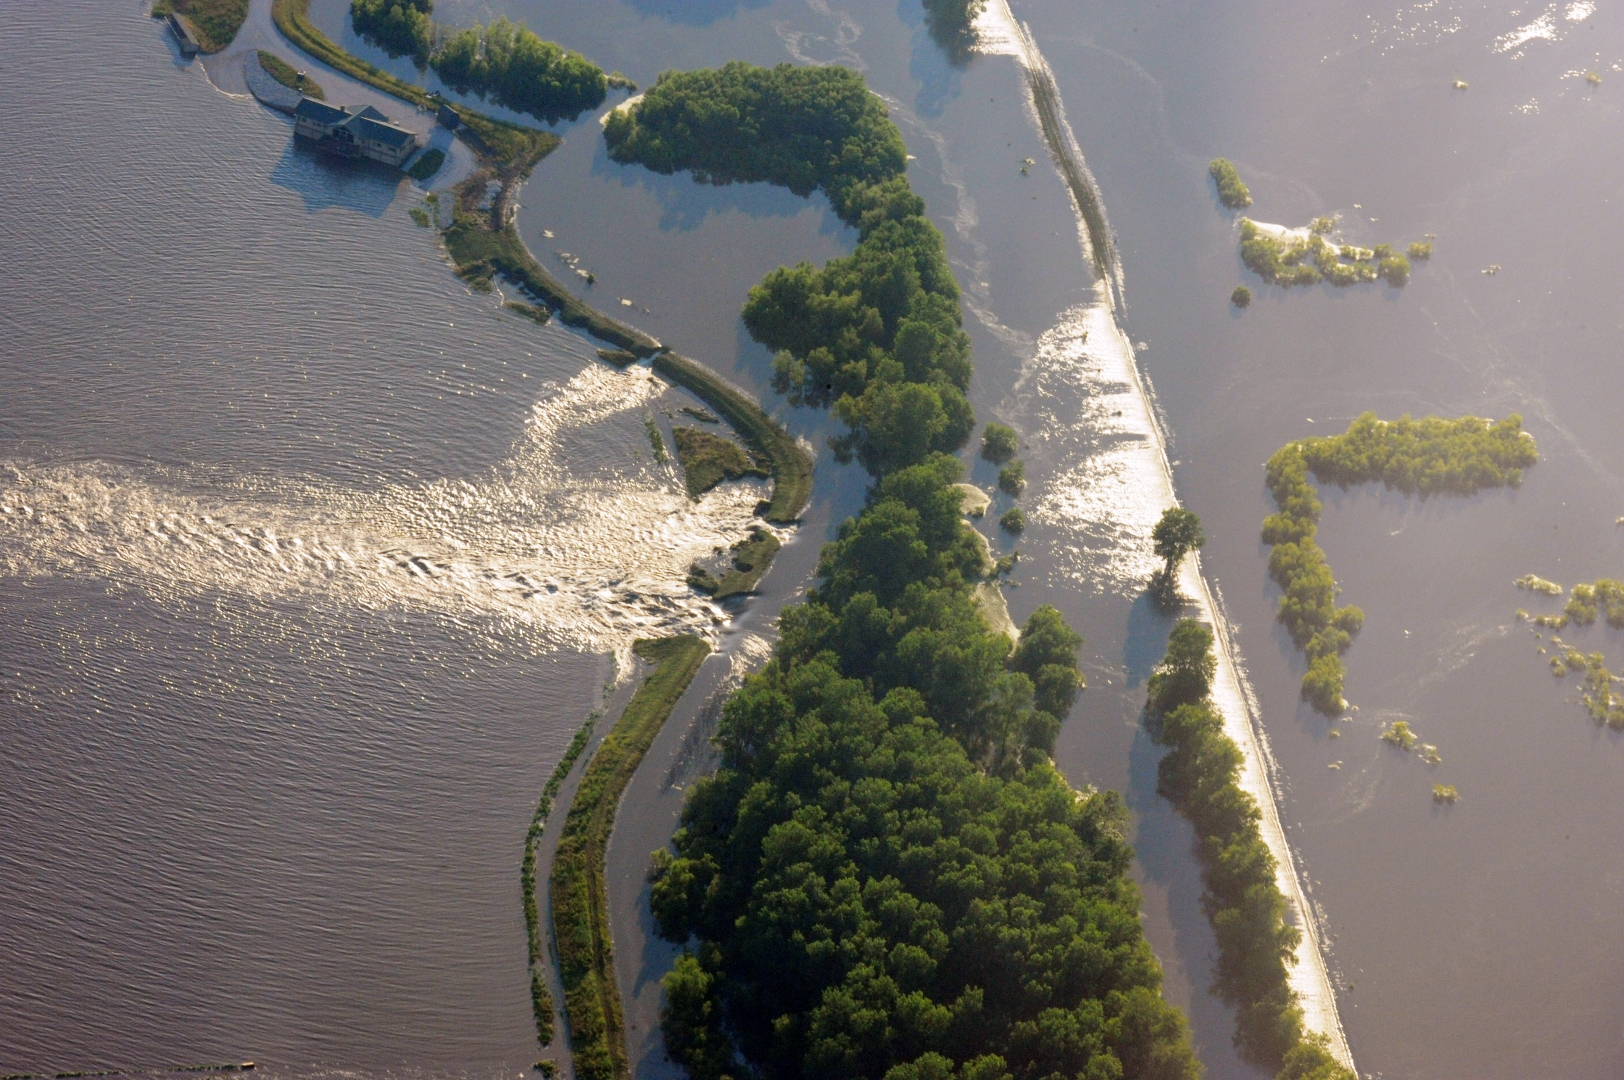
320, 112
388, 134
363, 120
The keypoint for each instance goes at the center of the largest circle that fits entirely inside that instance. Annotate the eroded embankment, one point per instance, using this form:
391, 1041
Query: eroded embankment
1110, 358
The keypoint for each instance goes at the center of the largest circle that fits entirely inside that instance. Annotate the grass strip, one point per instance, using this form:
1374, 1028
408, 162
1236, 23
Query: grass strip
540, 999
292, 17
791, 467
479, 250
214, 22
284, 73
580, 905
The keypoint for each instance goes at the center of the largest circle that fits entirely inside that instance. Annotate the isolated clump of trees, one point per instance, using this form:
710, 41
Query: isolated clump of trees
1432, 456
1232, 191
877, 335
504, 61
1200, 776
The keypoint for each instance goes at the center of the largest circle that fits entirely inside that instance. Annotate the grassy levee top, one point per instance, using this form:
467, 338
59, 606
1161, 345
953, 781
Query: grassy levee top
1427, 457
580, 910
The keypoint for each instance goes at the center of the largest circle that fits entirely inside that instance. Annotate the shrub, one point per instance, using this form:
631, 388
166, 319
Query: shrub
1231, 191
1241, 297
1012, 478
999, 443
1013, 520
1395, 269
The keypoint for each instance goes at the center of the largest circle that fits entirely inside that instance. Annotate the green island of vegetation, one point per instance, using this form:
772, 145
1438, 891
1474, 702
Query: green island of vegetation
1232, 190
1241, 297
790, 466
1602, 599
1425, 457
214, 22
749, 559
503, 62
708, 459
580, 911
999, 443
1296, 258
1535, 583
1200, 776
877, 334
887, 877
285, 73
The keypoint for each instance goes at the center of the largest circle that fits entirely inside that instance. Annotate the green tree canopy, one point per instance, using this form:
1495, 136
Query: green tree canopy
1176, 535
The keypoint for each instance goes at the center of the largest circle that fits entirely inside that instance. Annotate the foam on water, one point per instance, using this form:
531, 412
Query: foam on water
584, 554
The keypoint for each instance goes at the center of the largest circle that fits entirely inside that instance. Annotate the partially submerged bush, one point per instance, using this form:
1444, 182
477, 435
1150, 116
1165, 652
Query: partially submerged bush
1535, 583
1241, 297
1445, 794
999, 443
1398, 734
1231, 191
1014, 520
1012, 478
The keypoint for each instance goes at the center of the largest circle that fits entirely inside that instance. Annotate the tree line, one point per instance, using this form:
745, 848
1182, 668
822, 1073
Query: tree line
1432, 456
504, 61
1200, 776
887, 877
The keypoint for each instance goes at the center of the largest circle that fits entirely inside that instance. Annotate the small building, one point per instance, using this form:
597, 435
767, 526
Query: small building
183, 35
355, 131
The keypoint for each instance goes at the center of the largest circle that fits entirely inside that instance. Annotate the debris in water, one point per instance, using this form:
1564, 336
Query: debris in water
1494, 268
1460, 84
1444, 794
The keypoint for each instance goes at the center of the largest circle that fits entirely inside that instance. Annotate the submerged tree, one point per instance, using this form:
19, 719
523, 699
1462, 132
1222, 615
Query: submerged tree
1176, 535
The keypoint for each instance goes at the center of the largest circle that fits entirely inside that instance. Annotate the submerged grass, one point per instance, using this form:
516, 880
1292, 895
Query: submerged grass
579, 895
750, 558
791, 467
427, 165
1047, 100
708, 459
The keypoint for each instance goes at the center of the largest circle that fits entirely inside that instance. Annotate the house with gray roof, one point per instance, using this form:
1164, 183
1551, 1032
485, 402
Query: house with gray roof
354, 131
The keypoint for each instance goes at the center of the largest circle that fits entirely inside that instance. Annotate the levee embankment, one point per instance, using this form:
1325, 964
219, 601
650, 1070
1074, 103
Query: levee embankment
1108, 346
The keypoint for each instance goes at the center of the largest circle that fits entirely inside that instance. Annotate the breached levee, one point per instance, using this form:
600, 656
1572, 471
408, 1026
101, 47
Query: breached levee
1089, 349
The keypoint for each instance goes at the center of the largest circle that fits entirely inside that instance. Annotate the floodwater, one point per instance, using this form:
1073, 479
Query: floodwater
302, 608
